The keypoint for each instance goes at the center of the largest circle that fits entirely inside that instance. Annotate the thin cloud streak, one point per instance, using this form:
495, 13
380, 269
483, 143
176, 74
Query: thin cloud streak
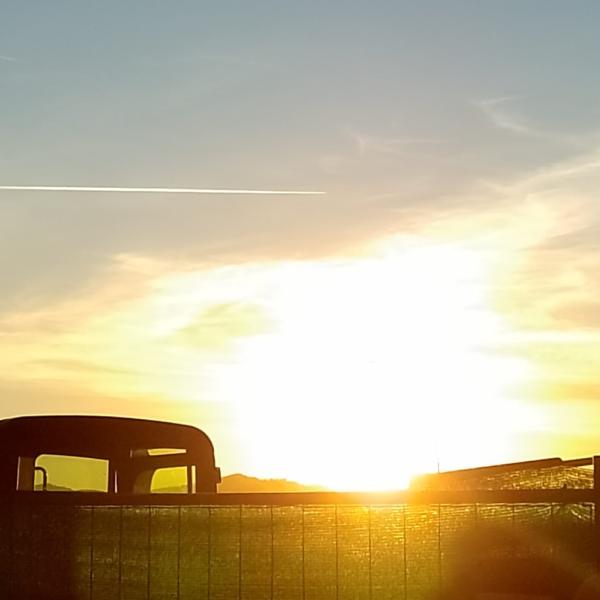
144, 190
388, 145
6, 58
494, 109
491, 108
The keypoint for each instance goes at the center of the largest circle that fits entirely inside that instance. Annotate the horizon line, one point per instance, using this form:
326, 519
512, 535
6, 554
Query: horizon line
153, 190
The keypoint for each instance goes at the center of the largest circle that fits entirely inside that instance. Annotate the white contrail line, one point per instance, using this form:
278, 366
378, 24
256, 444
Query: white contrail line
71, 188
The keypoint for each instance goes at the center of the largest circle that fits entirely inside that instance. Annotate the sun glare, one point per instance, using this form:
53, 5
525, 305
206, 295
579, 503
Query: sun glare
354, 373
376, 369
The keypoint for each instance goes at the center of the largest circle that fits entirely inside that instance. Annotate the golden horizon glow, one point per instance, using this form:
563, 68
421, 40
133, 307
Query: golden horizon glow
351, 373
376, 372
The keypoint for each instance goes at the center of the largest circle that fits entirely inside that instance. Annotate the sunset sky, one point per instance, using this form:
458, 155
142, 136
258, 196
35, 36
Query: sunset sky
438, 303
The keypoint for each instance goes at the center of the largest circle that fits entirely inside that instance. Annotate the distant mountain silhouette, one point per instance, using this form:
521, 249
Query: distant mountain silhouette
243, 483
236, 483
56, 488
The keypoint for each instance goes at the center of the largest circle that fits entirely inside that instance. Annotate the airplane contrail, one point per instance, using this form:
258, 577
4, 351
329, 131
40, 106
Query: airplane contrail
153, 190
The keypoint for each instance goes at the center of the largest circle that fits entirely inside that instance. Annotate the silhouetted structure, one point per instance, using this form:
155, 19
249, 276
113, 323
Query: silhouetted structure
133, 449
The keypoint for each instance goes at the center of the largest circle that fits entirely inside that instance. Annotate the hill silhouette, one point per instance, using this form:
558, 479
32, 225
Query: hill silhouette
235, 483
239, 483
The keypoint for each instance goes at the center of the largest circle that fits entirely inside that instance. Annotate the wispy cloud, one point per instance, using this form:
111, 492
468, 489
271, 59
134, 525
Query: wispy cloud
499, 113
495, 109
151, 190
192, 58
74, 365
388, 145
553, 176
6, 58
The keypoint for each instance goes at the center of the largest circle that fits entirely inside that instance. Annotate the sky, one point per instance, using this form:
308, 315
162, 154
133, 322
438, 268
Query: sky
436, 305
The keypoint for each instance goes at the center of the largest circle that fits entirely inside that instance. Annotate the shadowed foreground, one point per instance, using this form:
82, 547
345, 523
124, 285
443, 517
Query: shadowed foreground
51, 551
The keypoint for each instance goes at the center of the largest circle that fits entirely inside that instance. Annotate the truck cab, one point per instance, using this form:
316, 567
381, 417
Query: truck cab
114, 455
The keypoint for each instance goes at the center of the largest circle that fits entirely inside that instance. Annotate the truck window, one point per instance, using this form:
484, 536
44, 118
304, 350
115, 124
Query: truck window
60, 473
172, 480
165, 451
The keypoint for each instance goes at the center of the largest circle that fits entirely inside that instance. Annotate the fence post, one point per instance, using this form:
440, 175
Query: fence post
597, 511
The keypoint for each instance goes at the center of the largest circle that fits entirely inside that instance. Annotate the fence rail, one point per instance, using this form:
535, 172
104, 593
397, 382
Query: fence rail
509, 496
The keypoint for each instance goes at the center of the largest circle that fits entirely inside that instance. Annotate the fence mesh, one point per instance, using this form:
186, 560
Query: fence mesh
562, 476
312, 552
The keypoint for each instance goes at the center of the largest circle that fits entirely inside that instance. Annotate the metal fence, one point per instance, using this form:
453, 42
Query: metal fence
297, 547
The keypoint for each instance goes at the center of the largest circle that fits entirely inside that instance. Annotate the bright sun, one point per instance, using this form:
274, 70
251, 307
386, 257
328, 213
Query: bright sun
355, 373
375, 369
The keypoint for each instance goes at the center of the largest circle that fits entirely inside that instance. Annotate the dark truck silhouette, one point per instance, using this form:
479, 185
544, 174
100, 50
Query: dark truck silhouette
127, 453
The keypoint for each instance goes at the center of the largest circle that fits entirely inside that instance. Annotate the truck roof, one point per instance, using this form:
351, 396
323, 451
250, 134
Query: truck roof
100, 436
